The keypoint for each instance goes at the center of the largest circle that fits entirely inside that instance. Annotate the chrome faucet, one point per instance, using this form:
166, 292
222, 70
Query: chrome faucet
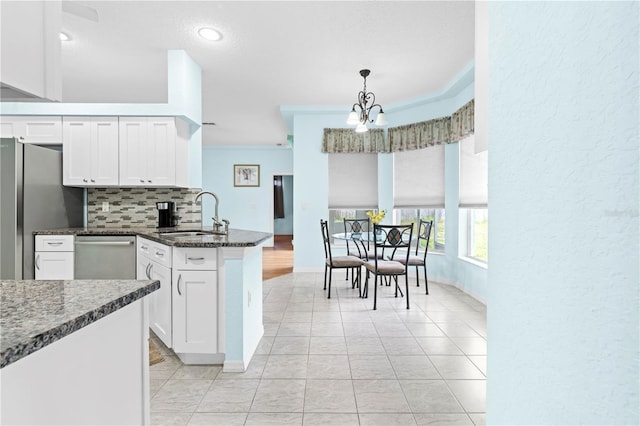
217, 224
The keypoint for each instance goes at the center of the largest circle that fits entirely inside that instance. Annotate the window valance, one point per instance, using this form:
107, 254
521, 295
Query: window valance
348, 141
420, 135
408, 137
462, 122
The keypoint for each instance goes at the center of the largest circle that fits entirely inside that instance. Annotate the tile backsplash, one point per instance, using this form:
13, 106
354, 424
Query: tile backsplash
136, 207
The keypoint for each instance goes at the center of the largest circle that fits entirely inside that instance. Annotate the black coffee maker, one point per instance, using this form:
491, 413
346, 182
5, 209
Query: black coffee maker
165, 213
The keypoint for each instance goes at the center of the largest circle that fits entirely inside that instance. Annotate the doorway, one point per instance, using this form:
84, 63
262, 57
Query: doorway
278, 260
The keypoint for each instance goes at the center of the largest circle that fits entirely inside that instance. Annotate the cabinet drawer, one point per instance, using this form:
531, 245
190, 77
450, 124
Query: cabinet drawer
143, 247
186, 258
54, 242
154, 251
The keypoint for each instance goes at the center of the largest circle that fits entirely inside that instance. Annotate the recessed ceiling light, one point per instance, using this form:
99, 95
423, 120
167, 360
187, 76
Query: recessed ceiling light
210, 34
64, 37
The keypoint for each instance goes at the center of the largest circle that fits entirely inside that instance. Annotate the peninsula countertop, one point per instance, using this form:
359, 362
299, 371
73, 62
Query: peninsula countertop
235, 237
34, 314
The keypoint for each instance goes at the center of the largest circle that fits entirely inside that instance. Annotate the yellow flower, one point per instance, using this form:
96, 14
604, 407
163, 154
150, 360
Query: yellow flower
376, 217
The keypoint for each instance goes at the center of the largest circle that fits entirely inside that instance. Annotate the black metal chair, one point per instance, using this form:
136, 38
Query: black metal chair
395, 239
359, 230
338, 262
418, 259
357, 227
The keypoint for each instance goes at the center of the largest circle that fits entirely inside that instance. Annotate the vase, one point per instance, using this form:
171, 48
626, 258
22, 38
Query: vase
378, 234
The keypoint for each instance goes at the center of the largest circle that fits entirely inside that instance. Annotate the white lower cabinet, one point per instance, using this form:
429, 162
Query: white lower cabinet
195, 313
195, 300
184, 311
149, 267
52, 265
54, 257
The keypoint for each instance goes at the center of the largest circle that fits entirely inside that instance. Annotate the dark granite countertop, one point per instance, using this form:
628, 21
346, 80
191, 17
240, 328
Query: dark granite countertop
34, 314
235, 238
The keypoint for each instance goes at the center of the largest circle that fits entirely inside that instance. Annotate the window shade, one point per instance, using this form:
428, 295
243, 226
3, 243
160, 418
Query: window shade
353, 181
473, 175
418, 178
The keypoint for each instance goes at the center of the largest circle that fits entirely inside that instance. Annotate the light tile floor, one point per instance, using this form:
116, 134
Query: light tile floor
338, 362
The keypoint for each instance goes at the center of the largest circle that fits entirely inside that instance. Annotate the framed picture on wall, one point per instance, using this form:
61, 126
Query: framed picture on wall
246, 175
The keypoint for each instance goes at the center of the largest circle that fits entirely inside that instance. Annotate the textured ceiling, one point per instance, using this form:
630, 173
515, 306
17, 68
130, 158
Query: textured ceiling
272, 54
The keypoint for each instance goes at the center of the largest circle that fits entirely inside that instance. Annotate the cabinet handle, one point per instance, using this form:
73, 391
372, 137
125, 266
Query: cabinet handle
159, 254
93, 180
149, 181
149, 271
21, 138
179, 278
84, 180
195, 258
104, 243
54, 243
145, 248
37, 262
141, 180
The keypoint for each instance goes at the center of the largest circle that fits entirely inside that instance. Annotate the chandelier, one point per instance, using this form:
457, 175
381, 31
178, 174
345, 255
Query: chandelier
366, 103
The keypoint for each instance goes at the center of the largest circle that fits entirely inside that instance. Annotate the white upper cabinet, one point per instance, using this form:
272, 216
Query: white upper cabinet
147, 151
32, 129
90, 151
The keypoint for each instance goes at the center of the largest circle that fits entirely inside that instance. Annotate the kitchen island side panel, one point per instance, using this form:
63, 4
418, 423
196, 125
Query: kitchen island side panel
83, 377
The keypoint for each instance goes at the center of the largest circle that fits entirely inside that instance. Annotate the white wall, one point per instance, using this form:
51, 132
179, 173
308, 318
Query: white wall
185, 101
246, 207
563, 303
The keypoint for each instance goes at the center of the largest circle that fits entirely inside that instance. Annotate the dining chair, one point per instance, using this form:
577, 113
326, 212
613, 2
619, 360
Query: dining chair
396, 240
338, 262
359, 229
419, 259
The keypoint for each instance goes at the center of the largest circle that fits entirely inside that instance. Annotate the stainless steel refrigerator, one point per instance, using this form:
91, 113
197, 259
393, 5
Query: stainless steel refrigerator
32, 198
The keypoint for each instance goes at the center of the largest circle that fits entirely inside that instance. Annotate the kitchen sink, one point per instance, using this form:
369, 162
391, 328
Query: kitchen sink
187, 234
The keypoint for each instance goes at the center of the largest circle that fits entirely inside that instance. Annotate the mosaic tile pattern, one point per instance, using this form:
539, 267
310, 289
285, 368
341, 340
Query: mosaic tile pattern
136, 207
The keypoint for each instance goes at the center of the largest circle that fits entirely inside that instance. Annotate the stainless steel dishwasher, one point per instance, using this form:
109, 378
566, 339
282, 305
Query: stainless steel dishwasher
105, 257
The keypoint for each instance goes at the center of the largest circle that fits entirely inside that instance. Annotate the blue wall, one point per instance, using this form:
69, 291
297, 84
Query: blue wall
246, 207
311, 180
564, 163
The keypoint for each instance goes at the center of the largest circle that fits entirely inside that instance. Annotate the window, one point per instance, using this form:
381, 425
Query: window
353, 181
477, 222
406, 216
336, 221
418, 178
474, 216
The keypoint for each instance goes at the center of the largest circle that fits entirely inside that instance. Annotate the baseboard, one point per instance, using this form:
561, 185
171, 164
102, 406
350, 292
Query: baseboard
306, 269
457, 285
233, 367
201, 359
